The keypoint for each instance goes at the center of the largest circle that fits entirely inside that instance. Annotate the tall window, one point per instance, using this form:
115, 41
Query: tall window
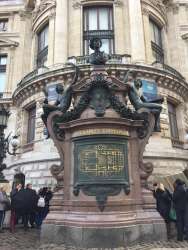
3, 62
98, 22
42, 47
173, 121
3, 24
156, 42
31, 124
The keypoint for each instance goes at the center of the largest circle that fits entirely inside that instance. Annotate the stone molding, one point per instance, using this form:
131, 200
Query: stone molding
37, 83
76, 4
4, 42
43, 7
157, 5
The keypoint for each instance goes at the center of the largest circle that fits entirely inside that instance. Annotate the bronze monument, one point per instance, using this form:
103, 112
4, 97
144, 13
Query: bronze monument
102, 198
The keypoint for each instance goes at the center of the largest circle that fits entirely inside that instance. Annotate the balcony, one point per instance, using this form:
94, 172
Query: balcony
166, 76
115, 59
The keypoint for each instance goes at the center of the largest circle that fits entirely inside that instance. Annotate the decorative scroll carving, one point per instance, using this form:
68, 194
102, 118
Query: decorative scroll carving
57, 172
145, 168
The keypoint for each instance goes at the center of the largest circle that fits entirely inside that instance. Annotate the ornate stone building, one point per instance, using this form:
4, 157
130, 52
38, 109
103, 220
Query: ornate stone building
38, 37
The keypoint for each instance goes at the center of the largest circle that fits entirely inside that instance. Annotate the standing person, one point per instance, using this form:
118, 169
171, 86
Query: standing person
163, 203
13, 206
32, 198
3, 200
179, 199
45, 196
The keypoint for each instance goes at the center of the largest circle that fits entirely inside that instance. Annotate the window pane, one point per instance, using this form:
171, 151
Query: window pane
173, 121
31, 124
105, 45
2, 81
103, 19
3, 25
3, 60
93, 19
46, 37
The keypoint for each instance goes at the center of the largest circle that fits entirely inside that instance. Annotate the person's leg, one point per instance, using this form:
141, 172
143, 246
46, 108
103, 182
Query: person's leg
12, 220
25, 220
1, 220
32, 216
180, 225
168, 230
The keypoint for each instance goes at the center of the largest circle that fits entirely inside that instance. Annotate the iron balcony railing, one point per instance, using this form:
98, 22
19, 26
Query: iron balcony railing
168, 68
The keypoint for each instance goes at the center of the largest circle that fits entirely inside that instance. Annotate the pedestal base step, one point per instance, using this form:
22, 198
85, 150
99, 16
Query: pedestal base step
102, 237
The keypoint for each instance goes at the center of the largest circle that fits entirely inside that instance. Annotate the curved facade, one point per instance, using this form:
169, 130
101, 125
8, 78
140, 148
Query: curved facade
147, 36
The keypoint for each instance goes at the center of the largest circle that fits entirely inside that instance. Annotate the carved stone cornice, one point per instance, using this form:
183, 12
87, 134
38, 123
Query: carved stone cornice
42, 7
36, 83
158, 5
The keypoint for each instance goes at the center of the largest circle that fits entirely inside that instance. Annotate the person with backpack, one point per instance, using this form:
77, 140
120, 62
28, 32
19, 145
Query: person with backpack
44, 198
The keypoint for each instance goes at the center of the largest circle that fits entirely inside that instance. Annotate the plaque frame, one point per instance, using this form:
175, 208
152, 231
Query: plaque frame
101, 187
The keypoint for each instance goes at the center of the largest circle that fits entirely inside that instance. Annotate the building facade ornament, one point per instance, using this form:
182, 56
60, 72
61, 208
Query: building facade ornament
76, 4
118, 3
44, 5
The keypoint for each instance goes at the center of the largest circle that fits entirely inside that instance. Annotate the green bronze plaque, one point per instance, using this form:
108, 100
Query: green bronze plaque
101, 160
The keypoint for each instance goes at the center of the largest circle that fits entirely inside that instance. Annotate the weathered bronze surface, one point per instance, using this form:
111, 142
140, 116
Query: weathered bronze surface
101, 167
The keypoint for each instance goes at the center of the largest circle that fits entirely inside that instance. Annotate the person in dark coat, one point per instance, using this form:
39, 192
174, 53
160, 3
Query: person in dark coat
24, 203
179, 199
13, 206
163, 203
32, 204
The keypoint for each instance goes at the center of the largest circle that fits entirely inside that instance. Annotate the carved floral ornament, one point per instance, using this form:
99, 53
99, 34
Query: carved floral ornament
78, 3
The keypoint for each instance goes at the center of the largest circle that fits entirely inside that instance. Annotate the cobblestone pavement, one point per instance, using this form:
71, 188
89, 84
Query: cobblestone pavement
30, 241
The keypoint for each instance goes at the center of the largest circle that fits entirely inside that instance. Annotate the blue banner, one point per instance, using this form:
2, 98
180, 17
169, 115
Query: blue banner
149, 90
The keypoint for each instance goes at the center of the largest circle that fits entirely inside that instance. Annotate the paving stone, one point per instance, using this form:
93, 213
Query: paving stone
30, 240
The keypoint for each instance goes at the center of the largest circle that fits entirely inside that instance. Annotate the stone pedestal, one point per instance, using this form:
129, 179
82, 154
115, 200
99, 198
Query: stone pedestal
105, 202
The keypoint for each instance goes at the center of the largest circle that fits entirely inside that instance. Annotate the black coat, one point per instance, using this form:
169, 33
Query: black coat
24, 201
163, 200
179, 197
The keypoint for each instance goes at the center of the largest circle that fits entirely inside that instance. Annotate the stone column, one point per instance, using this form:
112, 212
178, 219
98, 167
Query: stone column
51, 38
10, 72
75, 30
147, 36
136, 32
61, 32
119, 29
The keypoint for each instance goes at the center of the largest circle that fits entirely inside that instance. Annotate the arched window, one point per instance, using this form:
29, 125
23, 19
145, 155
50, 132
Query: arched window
31, 124
156, 41
98, 22
3, 63
173, 121
42, 47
